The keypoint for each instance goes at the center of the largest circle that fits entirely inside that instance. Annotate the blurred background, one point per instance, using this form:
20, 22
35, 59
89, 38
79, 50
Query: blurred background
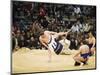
30, 17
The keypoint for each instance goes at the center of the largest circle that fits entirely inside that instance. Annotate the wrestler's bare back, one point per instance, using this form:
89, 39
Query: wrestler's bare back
84, 49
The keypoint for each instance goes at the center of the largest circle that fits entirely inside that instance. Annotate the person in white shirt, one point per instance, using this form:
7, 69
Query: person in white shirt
75, 28
66, 44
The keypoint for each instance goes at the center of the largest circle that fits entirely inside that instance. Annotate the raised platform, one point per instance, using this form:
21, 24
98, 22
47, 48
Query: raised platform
25, 61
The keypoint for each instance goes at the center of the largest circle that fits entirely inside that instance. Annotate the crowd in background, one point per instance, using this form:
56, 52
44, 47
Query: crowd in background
29, 18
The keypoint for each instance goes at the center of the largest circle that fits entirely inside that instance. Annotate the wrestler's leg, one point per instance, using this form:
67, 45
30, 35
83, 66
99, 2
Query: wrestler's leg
79, 59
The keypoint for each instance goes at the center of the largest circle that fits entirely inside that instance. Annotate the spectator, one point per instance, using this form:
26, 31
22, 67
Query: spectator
53, 18
75, 28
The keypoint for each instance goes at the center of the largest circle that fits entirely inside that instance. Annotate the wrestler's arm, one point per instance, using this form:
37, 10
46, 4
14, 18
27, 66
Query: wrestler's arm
45, 45
50, 32
55, 33
62, 33
93, 42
